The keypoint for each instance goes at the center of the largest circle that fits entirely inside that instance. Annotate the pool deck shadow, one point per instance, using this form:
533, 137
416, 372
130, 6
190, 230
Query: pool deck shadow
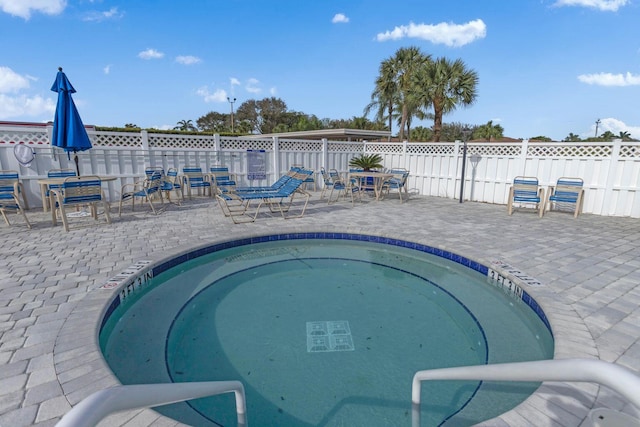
51, 304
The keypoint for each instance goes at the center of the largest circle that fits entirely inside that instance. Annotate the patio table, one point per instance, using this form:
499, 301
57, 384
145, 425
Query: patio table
378, 179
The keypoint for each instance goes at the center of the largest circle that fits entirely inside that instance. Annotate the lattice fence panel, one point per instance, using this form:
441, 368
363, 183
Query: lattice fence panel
246, 144
204, 142
384, 148
24, 137
299, 145
630, 151
494, 150
341, 147
573, 150
115, 139
439, 149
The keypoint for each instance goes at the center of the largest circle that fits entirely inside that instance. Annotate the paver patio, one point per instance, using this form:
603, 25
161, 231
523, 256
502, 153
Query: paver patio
49, 301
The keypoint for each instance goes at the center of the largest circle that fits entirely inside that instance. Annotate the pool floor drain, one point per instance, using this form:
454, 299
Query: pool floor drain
332, 335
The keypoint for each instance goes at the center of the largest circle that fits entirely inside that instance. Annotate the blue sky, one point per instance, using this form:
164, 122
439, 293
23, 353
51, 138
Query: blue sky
546, 67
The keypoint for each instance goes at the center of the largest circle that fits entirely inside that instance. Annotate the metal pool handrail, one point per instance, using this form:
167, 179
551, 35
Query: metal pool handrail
102, 403
620, 379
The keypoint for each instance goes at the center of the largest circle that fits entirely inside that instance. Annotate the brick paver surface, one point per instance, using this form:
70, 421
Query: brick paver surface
590, 266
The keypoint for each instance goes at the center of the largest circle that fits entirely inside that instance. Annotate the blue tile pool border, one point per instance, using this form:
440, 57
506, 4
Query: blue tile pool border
139, 278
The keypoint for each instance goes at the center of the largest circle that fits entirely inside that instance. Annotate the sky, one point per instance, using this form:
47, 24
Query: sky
545, 67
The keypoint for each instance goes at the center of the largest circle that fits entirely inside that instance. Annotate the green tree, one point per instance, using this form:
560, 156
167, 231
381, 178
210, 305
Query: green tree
625, 136
607, 136
185, 125
385, 95
572, 137
213, 122
395, 87
421, 133
131, 126
263, 116
488, 131
541, 138
444, 85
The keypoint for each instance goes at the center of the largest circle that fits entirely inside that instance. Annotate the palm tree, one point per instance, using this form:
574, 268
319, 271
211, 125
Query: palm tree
488, 131
394, 86
444, 85
408, 62
185, 125
572, 137
607, 136
625, 136
385, 94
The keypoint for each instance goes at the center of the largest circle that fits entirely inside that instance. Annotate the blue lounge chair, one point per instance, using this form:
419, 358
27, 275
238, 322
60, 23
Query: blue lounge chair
238, 205
273, 187
567, 194
526, 191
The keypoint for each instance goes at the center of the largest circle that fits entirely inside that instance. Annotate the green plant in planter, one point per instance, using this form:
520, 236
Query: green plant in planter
367, 161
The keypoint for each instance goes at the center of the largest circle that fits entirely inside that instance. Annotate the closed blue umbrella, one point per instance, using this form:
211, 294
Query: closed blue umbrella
68, 131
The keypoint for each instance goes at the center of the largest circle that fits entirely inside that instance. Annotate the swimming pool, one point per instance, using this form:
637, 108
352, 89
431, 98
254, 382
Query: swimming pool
324, 329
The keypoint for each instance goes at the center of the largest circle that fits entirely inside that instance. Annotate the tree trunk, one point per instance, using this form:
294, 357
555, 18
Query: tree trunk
437, 121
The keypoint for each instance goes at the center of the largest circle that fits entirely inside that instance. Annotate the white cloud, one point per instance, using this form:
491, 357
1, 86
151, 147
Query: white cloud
273, 91
98, 16
449, 34
23, 105
15, 104
188, 60
234, 81
615, 126
219, 95
609, 79
150, 54
340, 18
603, 5
24, 8
107, 69
12, 82
252, 86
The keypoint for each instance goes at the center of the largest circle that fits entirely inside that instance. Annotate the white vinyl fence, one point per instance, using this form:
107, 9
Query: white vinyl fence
611, 171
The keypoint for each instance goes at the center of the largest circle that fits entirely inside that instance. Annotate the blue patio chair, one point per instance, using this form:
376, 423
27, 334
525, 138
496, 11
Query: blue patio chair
79, 191
343, 187
221, 179
526, 191
10, 182
54, 173
172, 183
193, 178
147, 190
327, 182
9, 202
397, 182
567, 195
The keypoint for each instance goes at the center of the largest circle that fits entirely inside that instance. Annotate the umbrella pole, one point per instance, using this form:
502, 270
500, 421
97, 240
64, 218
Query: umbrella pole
75, 159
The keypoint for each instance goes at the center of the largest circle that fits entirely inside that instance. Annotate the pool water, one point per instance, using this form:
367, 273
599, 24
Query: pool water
325, 333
